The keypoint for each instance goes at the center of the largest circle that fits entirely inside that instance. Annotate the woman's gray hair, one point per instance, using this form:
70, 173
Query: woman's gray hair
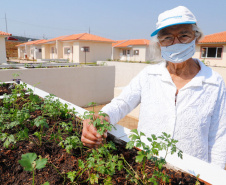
154, 54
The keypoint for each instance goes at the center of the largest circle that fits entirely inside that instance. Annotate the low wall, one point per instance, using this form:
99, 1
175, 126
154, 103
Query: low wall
78, 85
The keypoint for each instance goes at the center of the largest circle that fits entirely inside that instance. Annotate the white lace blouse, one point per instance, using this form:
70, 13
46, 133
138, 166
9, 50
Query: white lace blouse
197, 120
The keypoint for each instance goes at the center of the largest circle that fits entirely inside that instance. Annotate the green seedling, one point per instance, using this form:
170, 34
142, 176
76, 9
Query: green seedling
149, 152
29, 162
71, 142
40, 122
102, 161
99, 122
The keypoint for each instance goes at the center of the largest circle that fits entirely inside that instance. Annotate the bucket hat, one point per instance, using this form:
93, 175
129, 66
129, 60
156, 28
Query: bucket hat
175, 16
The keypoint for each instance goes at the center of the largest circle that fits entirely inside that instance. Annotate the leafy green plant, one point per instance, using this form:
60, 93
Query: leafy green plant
149, 152
40, 122
99, 122
29, 162
102, 161
71, 142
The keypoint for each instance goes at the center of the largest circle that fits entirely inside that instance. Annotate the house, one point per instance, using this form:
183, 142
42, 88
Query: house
30, 50
3, 35
130, 50
212, 49
84, 48
78, 48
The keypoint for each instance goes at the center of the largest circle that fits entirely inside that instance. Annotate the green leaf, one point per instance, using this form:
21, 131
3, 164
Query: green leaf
142, 134
81, 164
41, 163
139, 158
71, 175
27, 160
134, 131
46, 183
94, 178
149, 139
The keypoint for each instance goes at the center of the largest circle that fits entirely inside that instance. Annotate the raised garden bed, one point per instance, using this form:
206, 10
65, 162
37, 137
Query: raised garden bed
49, 127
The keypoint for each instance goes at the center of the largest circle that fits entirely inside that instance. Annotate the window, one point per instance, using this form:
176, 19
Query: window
123, 52
39, 50
136, 52
211, 52
128, 52
86, 49
67, 50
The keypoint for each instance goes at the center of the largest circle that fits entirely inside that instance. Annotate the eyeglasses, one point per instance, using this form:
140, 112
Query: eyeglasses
167, 40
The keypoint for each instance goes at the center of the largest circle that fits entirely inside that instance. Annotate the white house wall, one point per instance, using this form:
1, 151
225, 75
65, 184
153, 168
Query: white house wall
118, 54
98, 51
70, 55
142, 53
2, 50
212, 61
59, 46
76, 51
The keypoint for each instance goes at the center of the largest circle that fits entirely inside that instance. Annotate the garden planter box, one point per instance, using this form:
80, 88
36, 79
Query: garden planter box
208, 173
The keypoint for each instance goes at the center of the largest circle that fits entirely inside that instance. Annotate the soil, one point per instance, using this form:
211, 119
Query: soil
6, 88
12, 173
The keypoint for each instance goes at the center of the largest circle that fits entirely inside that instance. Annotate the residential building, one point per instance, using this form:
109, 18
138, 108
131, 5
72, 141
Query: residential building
130, 50
3, 35
30, 50
78, 48
212, 49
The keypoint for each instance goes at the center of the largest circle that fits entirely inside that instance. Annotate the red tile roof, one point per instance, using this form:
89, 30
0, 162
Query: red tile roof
134, 42
4, 33
86, 37
32, 42
53, 39
214, 38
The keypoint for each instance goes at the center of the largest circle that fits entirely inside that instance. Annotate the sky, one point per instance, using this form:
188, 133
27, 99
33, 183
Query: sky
113, 19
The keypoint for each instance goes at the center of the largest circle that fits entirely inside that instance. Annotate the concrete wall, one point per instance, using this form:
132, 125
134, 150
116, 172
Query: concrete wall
79, 85
212, 61
124, 72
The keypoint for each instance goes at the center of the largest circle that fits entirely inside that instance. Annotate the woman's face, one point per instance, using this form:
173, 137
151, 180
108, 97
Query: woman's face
182, 33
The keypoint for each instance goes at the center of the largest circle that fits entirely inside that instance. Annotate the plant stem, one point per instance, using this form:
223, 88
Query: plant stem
33, 182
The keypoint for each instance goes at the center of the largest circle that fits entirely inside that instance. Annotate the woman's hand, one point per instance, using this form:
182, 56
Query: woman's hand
90, 137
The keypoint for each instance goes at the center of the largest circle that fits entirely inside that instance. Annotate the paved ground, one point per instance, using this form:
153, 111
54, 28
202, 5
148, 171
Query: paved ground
127, 122
221, 71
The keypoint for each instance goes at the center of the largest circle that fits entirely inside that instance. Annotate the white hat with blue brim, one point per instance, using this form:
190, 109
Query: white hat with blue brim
175, 16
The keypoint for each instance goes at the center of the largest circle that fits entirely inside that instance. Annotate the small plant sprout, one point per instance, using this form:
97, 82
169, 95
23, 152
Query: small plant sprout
99, 121
29, 162
149, 152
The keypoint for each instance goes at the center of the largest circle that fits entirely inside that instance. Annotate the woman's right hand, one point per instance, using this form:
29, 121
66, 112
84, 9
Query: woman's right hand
90, 137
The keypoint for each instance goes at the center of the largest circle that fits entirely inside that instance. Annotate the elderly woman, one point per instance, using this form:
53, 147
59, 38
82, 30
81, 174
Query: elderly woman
180, 96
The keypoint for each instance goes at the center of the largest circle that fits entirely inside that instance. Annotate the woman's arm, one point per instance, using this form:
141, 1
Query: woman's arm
116, 109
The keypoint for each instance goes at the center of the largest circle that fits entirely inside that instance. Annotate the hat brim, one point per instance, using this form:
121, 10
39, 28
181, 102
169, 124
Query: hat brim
156, 31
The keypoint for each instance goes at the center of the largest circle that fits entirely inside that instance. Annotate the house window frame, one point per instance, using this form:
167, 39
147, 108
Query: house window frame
136, 52
67, 50
206, 53
124, 51
86, 49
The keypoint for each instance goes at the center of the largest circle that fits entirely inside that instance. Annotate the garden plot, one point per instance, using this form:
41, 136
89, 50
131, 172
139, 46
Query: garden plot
40, 144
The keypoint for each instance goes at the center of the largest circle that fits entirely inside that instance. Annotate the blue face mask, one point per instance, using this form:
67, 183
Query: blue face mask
178, 53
